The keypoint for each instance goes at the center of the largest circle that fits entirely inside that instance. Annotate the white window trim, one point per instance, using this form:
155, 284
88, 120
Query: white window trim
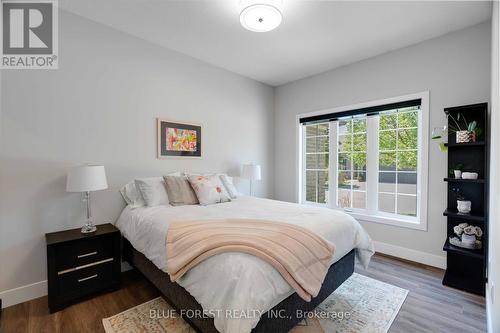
422, 171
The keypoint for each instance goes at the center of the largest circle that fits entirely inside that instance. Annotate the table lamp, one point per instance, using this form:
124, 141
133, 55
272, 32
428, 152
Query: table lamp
86, 179
251, 172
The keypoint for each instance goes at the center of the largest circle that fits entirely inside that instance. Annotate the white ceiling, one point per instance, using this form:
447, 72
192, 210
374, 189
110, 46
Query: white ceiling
315, 36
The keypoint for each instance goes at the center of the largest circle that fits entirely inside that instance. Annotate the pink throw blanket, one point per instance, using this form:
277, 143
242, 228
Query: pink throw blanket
301, 256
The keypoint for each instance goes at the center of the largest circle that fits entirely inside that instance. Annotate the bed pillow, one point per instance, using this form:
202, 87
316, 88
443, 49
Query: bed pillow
228, 184
153, 190
209, 189
131, 195
179, 191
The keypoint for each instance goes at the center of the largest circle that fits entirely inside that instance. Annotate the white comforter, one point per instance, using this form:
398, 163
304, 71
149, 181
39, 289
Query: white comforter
239, 282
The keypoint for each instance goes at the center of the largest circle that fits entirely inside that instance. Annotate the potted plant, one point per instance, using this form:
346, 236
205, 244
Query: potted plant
457, 171
464, 131
467, 133
463, 205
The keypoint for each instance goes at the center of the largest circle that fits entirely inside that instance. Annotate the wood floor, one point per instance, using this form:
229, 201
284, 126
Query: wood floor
429, 307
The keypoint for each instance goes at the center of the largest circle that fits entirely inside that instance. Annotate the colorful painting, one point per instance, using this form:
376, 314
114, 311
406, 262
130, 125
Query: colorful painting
181, 139
178, 139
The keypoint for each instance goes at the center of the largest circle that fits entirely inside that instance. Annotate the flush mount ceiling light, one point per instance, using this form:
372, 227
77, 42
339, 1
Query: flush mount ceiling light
260, 17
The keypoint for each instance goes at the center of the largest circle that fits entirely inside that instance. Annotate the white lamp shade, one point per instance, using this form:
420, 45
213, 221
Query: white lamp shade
86, 178
251, 171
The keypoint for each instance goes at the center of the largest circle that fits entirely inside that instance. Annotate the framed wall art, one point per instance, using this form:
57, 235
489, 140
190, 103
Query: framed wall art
178, 139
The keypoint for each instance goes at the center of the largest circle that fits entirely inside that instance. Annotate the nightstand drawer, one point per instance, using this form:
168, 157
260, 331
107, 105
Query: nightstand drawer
83, 252
85, 281
79, 265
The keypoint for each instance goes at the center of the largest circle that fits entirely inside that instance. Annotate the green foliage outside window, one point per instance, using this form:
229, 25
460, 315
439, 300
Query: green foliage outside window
397, 130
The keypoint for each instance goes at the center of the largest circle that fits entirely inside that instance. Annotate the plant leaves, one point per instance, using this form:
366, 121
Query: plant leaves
443, 147
472, 126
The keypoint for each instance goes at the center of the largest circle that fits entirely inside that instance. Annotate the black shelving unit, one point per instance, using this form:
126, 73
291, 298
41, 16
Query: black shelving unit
466, 269
460, 180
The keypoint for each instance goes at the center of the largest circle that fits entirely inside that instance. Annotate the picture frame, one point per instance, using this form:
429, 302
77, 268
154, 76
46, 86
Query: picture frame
178, 140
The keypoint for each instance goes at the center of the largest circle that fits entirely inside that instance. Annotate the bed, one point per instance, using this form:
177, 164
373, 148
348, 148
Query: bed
239, 281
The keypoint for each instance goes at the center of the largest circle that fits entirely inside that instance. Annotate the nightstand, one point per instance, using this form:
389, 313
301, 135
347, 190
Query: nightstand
79, 265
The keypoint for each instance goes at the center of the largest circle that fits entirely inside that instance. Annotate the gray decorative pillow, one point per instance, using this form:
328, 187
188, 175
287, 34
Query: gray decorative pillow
209, 189
228, 184
131, 195
153, 190
179, 191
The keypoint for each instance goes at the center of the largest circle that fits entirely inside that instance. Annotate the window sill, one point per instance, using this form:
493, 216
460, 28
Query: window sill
389, 220
382, 219
315, 204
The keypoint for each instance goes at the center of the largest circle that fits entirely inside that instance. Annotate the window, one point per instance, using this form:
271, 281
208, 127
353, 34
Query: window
398, 152
370, 161
317, 154
351, 165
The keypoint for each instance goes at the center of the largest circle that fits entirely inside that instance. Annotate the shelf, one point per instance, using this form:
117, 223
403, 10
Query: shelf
460, 180
470, 217
475, 285
478, 254
465, 144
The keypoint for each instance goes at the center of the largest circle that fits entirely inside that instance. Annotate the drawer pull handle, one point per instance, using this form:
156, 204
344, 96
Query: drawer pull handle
87, 278
87, 254
84, 266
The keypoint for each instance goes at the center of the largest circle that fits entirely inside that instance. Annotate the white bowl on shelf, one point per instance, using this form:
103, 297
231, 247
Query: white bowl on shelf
469, 175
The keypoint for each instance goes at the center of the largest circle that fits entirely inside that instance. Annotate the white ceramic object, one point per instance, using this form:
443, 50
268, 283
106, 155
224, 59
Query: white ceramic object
458, 174
469, 175
464, 206
458, 242
468, 240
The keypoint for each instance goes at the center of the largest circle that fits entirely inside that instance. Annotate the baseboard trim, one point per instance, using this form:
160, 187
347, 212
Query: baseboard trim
39, 289
31, 291
410, 254
23, 293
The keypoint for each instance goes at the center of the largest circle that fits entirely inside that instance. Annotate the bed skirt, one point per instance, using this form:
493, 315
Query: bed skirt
288, 309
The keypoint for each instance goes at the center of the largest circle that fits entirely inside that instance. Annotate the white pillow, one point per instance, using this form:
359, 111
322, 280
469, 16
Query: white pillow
228, 184
153, 190
131, 195
209, 189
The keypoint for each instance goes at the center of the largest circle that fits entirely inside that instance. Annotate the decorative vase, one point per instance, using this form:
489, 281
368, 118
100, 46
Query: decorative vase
465, 136
458, 174
464, 206
468, 240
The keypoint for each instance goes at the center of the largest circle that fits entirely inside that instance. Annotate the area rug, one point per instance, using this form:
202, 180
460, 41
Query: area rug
360, 304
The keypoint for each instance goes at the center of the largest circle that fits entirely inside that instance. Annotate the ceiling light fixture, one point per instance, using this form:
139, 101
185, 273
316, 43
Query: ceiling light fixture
260, 17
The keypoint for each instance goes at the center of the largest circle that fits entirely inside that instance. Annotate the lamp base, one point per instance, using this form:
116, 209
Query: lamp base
88, 228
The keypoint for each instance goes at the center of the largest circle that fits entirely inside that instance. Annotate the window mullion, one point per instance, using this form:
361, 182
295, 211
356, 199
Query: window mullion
372, 150
396, 210
302, 166
351, 194
332, 165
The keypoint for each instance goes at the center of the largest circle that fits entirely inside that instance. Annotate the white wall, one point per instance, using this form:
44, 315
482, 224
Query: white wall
455, 68
493, 286
100, 107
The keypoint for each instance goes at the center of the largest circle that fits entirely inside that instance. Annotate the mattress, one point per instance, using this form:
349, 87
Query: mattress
236, 287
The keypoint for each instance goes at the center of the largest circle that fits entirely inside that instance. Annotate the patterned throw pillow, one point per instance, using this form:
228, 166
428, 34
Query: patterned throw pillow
209, 189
